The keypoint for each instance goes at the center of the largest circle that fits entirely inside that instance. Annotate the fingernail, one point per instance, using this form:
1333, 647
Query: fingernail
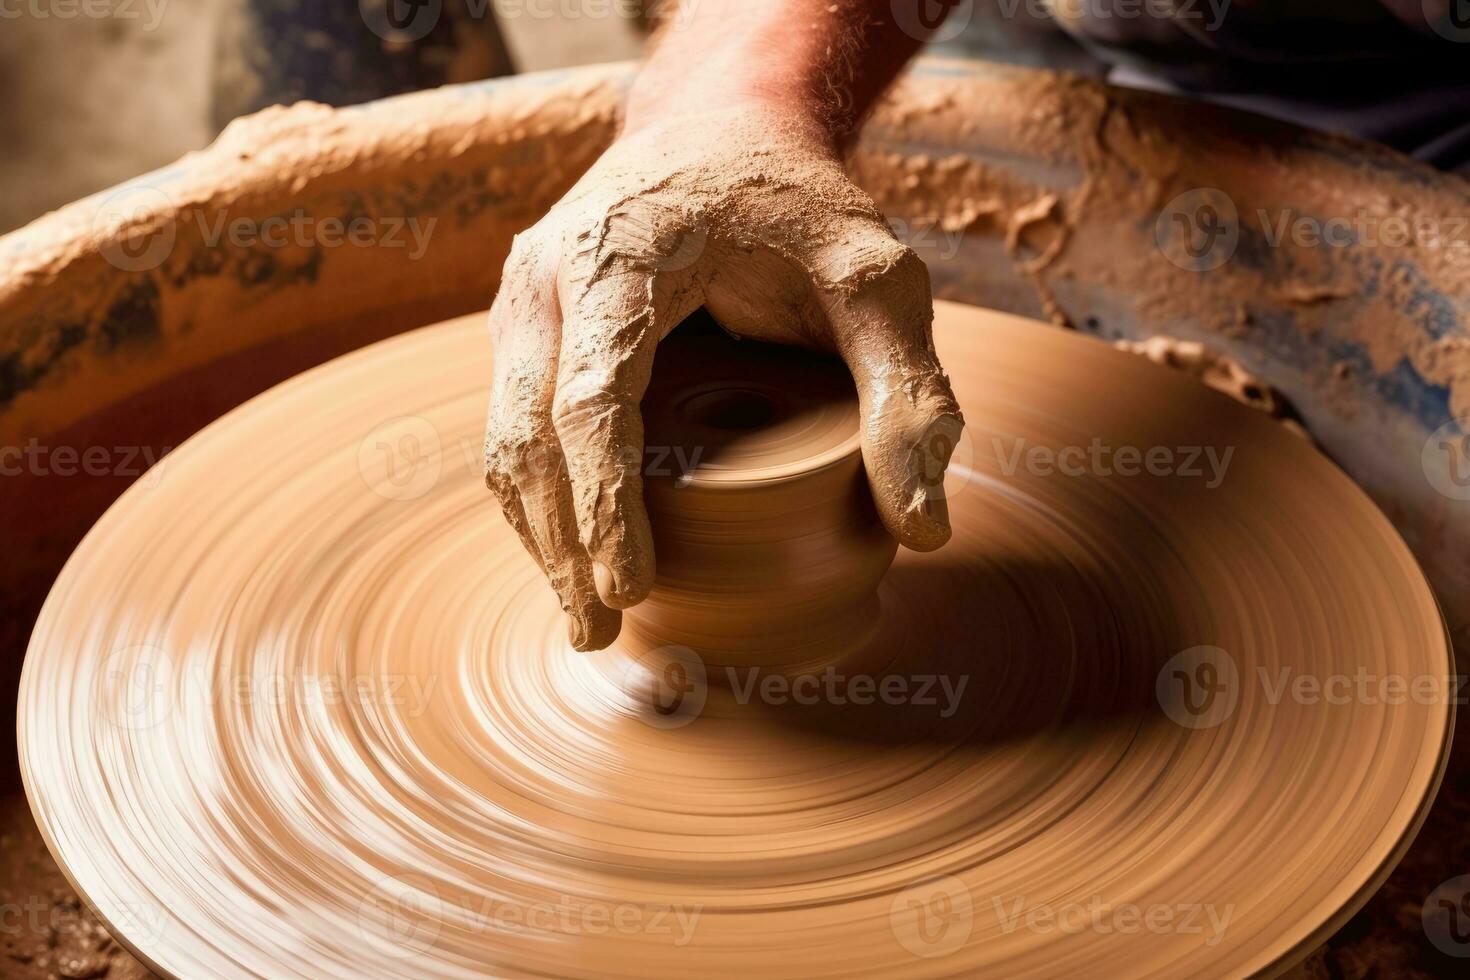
606, 582
612, 588
927, 520
578, 630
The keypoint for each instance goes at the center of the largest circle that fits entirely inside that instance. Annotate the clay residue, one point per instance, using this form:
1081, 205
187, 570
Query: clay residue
1353, 245
754, 220
80, 336
1224, 374
93, 294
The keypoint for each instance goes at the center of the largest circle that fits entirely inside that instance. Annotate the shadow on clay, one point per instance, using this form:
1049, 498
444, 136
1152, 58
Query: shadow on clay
984, 653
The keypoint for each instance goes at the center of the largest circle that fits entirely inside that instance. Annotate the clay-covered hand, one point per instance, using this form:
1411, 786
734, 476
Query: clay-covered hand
754, 219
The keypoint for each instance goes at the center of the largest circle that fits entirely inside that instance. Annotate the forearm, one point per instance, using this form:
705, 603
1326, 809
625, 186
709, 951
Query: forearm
825, 61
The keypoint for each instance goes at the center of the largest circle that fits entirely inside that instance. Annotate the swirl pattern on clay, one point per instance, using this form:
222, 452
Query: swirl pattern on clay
304, 707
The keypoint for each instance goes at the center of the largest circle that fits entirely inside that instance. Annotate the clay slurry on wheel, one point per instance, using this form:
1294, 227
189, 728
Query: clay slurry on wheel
354, 740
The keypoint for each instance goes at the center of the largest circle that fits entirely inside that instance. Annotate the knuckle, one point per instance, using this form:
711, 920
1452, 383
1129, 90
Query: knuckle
518, 457
523, 249
520, 284
870, 260
905, 271
525, 260
643, 233
586, 400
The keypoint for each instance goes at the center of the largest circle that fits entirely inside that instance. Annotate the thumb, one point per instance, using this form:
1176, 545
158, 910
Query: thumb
911, 422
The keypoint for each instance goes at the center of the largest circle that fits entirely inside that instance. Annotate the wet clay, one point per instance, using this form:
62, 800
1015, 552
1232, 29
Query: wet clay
766, 232
318, 715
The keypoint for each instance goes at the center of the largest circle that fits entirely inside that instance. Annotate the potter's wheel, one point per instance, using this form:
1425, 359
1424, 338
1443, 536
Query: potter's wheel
303, 706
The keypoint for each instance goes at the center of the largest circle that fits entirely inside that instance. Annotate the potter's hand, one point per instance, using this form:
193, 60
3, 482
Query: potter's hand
739, 204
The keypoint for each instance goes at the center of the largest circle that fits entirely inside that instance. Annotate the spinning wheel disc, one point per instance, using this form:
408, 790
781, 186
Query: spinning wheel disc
303, 707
